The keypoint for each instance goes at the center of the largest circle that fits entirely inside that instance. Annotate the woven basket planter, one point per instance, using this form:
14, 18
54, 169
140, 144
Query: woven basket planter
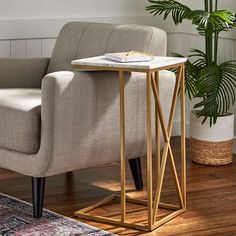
212, 145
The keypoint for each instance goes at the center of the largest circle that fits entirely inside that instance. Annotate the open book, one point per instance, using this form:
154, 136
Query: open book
132, 56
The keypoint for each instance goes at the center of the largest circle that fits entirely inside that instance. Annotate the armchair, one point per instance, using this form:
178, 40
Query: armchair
55, 120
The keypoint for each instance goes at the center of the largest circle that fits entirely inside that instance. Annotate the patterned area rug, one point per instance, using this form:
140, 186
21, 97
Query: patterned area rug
16, 219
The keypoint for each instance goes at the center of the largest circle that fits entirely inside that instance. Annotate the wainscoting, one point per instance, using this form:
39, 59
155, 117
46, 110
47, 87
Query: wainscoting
27, 48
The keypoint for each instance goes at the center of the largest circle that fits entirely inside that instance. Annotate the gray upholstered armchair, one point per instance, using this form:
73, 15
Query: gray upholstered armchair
54, 120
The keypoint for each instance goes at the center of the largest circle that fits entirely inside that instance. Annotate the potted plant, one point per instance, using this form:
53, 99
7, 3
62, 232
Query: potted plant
213, 83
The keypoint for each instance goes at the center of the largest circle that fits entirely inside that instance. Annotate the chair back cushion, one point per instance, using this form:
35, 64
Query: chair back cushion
83, 39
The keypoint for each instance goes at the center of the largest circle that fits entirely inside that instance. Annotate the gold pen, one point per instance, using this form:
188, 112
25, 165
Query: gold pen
129, 53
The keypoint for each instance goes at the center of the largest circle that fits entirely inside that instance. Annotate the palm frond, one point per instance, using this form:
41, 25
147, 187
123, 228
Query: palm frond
214, 22
178, 11
190, 76
200, 58
216, 84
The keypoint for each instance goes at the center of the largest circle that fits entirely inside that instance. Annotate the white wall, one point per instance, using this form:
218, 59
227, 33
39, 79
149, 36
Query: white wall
199, 4
35, 9
29, 28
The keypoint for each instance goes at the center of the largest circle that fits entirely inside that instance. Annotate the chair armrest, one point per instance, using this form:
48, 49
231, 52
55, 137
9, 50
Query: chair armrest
22, 73
80, 117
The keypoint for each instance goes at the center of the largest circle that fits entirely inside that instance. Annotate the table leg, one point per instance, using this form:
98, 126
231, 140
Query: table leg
149, 148
158, 134
122, 145
183, 137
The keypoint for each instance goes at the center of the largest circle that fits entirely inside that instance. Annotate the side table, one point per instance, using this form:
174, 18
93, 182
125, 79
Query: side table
151, 69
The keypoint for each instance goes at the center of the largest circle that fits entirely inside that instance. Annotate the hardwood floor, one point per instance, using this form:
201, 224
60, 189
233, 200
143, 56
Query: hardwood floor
211, 196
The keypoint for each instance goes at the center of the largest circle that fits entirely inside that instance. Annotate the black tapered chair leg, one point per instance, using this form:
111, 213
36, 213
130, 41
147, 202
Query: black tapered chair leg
136, 170
38, 186
69, 173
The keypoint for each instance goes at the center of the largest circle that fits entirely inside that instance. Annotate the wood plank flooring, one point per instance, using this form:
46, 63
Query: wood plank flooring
211, 196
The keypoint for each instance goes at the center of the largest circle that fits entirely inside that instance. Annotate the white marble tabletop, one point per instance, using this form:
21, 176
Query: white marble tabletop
157, 62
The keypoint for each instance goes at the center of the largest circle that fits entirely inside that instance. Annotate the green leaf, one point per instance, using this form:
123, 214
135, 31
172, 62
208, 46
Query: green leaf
216, 84
207, 22
178, 11
190, 76
215, 22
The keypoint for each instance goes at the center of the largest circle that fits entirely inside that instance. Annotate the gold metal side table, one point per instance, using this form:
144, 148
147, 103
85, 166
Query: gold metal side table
151, 69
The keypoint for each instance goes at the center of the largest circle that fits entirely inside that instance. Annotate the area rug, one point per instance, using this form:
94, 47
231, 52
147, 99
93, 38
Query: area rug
16, 219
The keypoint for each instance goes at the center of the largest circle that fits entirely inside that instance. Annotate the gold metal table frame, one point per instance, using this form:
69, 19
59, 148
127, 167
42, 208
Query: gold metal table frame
153, 204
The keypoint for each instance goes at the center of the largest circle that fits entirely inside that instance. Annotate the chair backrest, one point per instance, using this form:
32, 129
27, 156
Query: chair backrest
85, 39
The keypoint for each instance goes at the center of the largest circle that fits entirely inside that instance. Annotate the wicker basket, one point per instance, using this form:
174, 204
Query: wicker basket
212, 145
211, 153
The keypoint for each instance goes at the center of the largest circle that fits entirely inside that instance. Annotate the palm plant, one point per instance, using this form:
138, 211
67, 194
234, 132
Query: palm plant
214, 83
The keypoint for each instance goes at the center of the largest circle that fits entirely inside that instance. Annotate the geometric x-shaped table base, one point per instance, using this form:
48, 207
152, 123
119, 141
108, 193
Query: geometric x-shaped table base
84, 213
153, 198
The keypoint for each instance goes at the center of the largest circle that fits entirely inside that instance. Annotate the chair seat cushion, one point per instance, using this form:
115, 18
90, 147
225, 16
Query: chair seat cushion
20, 119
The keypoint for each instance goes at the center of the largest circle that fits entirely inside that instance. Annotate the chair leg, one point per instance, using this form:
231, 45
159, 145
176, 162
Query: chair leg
136, 170
70, 173
38, 185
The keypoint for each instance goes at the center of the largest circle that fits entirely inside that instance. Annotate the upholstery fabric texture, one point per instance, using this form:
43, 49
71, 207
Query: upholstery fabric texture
84, 39
80, 110
86, 115
20, 119
22, 73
